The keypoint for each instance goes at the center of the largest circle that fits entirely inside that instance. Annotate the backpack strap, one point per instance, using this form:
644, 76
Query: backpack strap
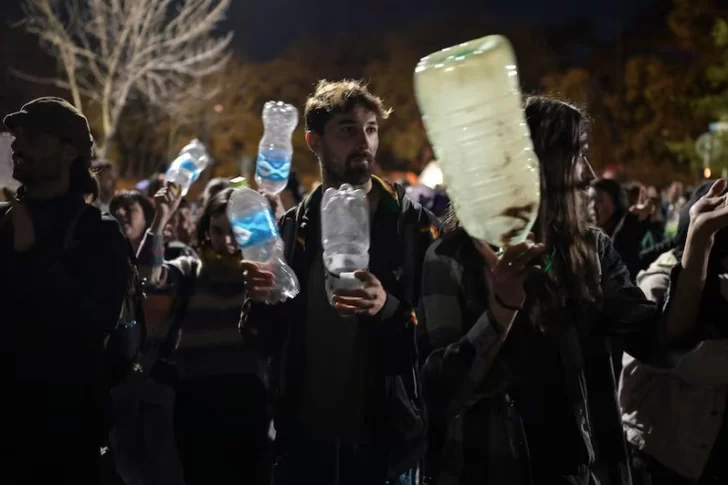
179, 310
289, 232
408, 233
151, 355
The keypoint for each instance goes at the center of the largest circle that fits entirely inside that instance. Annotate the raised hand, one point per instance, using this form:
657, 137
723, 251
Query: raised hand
507, 273
645, 207
166, 200
710, 213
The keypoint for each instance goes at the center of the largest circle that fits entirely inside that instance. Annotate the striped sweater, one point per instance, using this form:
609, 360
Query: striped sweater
208, 342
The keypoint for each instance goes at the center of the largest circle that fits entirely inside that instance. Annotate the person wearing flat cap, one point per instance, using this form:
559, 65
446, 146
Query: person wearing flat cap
63, 277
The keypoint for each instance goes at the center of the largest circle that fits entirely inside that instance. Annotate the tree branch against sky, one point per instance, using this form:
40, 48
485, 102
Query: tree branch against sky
110, 51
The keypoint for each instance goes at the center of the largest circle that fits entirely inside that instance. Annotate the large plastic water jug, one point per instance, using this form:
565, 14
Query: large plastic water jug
472, 109
275, 150
189, 164
344, 236
256, 233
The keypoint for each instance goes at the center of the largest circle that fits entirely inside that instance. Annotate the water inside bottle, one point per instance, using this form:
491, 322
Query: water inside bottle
254, 229
273, 165
481, 137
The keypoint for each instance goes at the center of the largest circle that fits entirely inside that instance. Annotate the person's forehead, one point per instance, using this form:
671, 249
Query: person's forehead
358, 113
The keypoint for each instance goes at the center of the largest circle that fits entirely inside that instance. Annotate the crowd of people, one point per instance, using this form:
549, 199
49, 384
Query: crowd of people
140, 349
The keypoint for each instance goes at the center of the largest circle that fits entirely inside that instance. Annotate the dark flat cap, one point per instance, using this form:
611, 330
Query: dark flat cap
56, 117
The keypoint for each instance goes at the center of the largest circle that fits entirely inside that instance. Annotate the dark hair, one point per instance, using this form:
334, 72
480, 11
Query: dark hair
81, 179
215, 206
216, 186
127, 198
618, 195
563, 224
557, 129
339, 97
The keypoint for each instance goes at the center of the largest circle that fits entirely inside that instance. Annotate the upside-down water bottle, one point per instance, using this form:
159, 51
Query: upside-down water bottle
344, 236
471, 106
186, 168
275, 150
256, 232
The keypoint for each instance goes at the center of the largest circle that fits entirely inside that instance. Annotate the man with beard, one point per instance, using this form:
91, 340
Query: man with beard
63, 277
336, 410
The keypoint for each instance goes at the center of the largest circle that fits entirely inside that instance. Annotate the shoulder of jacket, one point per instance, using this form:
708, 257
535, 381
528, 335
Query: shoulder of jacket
663, 264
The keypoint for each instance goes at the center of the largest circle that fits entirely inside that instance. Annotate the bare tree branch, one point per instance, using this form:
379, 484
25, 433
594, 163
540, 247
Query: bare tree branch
112, 51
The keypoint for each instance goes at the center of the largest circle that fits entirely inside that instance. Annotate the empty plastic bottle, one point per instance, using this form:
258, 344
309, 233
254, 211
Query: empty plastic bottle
471, 106
275, 150
188, 165
345, 236
256, 232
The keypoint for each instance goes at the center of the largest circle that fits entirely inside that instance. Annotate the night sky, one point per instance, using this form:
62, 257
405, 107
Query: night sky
263, 28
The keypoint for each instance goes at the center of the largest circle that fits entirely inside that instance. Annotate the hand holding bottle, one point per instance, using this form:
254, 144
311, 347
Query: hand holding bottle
166, 202
256, 233
506, 274
368, 300
258, 282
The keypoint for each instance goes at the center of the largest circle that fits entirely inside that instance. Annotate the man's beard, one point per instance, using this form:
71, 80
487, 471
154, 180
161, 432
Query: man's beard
26, 173
353, 173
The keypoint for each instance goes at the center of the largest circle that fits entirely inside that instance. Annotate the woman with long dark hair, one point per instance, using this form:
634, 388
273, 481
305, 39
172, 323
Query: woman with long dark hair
516, 365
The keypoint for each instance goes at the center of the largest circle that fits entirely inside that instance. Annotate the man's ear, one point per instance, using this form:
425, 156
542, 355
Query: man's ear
69, 154
313, 140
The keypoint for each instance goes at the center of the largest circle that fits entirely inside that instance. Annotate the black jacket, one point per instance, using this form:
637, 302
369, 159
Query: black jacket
277, 332
59, 300
456, 334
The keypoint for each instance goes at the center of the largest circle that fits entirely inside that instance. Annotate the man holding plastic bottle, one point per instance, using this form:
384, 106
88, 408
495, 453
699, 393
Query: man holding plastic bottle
346, 389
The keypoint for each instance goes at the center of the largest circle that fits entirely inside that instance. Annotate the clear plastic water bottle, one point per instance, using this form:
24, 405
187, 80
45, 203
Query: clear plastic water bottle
275, 150
188, 165
345, 236
481, 137
256, 232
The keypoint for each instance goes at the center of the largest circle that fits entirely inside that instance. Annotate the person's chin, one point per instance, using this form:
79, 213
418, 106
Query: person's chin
359, 173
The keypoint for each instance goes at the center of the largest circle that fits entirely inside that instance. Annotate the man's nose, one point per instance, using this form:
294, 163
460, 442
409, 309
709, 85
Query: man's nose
362, 140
